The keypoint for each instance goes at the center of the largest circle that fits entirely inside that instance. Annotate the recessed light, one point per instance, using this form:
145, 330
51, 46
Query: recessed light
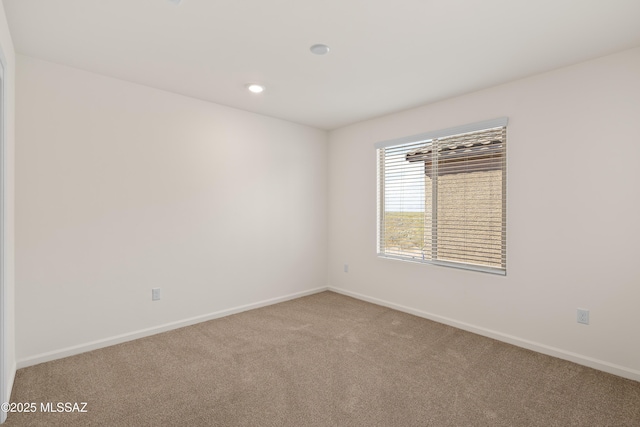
176, 2
255, 87
319, 49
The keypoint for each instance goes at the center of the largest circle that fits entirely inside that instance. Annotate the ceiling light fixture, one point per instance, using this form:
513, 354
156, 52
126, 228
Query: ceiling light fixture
176, 2
255, 87
319, 49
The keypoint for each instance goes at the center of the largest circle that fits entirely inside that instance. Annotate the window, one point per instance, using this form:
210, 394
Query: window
442, 197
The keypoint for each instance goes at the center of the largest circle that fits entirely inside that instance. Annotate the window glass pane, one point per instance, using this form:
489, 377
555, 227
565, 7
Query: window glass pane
404, 194
443, 200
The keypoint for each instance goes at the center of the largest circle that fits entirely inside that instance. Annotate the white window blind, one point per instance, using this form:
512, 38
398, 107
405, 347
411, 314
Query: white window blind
442, 197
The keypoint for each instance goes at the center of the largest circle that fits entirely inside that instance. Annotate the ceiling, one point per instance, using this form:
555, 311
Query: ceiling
386, 55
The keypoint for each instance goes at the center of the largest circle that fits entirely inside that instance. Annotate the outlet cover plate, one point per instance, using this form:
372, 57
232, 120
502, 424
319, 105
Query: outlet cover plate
583, 316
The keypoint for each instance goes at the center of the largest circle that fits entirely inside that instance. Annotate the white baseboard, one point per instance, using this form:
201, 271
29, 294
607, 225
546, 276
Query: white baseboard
106, 342
600, 365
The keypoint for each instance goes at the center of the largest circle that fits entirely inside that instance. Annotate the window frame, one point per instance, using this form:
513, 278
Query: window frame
435, 135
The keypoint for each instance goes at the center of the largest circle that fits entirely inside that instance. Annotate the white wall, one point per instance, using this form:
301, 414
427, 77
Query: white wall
8, 57
122, 188
573, 216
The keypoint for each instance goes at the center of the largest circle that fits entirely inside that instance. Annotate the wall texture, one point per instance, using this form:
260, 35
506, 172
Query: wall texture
572, 216
122, 188
8, 58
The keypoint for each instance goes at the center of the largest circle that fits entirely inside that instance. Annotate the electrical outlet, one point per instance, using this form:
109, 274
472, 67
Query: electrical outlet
583, 316
346, 268
155, 294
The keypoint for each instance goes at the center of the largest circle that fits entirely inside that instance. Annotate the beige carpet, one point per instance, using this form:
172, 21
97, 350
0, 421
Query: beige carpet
323, 360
